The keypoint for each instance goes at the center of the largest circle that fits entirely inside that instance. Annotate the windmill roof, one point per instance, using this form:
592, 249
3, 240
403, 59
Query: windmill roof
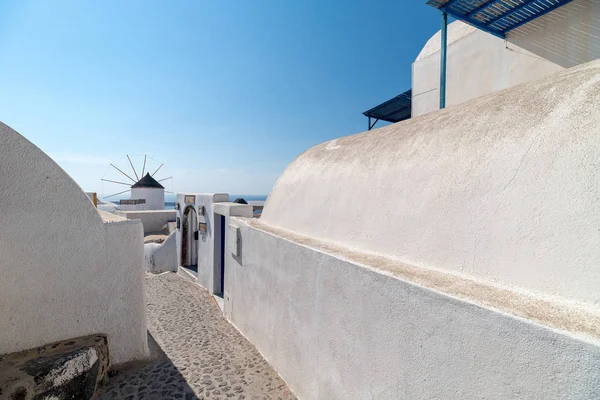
147, 182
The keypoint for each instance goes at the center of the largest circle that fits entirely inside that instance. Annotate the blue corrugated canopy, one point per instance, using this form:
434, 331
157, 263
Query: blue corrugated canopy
497, 17
394, 110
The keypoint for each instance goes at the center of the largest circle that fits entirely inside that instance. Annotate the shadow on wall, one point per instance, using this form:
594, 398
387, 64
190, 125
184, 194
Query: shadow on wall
158, 378
567, 36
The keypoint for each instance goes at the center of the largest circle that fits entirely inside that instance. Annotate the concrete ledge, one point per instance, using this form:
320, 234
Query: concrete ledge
69, 369
187, 274
572, 316
229, 209
110, 217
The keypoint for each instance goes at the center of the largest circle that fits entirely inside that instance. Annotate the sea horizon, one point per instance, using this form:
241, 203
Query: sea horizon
170, 199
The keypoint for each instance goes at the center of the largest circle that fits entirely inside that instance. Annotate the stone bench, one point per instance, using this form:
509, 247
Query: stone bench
69, 369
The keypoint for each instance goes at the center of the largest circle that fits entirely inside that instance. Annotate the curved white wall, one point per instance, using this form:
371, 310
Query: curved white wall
64, 273
155, 197
478, 63
503, 187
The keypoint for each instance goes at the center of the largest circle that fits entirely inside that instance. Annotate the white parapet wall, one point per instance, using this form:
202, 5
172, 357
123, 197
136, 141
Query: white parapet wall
65, 272
161, 257
503, 187
340, 324
152, 220
451, 256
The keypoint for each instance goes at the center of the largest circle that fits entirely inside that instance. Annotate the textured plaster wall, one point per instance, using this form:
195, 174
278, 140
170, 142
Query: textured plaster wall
162, 257
206, 241
334, 329
65, 273
152, 220
478, 63
155, 197
503, 187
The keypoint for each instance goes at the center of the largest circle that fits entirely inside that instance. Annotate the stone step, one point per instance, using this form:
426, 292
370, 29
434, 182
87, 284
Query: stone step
187, 274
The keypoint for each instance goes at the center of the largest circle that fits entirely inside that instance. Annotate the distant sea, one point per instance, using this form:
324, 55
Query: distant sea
170, 204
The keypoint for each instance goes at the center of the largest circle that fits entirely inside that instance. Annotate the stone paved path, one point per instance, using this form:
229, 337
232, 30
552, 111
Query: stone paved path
196, 353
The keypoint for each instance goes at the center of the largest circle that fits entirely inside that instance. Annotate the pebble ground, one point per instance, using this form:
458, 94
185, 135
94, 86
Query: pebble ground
196, 353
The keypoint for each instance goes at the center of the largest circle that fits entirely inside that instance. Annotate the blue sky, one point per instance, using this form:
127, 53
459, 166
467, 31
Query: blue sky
225, 93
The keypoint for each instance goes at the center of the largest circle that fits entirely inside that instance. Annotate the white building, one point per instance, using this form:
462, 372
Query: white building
481, 60
146, 194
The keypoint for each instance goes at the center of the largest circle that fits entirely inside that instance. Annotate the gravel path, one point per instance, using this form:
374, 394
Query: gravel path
196, 353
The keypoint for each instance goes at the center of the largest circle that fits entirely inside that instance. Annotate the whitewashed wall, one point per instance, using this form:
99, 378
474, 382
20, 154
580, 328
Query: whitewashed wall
162, 257
338, 329
65, 273
503, 187
480, 63
155, 197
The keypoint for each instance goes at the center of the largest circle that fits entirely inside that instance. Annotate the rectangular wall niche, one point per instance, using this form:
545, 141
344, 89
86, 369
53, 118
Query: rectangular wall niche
233, 239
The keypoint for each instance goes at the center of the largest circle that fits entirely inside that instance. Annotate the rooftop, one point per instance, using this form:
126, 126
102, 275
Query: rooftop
147, 182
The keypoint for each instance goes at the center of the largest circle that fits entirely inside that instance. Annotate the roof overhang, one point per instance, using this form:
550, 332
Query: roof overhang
394, 110
497, 17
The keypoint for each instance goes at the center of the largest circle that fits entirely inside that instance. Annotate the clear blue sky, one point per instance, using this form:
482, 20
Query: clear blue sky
225, 93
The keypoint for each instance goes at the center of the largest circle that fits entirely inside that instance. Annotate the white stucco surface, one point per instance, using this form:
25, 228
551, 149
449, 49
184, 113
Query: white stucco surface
456, 31
155, 197
502, 188
337, 328
478, 64
162, 257
65, 272
152, 220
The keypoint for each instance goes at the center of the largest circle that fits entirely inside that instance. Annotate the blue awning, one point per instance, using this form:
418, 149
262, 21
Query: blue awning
394, 110
497, 17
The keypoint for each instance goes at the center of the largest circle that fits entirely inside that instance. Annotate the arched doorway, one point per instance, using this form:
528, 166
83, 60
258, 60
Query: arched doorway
189, 238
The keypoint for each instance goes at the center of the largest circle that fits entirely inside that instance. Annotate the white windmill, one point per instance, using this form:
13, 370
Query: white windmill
146, 190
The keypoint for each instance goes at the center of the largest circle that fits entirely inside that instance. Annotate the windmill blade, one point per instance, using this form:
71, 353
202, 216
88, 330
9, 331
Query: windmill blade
125, 191
166, 191
132, 180
157, 169
144, 167
130, 163
120, 183
164, 179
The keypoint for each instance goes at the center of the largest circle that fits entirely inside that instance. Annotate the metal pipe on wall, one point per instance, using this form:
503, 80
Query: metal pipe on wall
443, 46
